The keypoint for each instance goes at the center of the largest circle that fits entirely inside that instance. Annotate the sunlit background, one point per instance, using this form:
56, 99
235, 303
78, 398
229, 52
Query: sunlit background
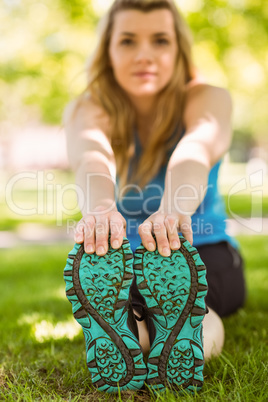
44, 46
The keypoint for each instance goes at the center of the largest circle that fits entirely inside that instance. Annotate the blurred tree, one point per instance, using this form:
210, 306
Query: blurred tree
44, 45
231, 44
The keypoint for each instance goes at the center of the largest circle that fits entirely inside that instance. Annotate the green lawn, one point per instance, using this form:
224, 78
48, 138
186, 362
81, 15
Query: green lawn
42, 354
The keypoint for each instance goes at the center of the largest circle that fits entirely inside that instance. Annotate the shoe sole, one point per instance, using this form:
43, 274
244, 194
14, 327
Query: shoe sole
98, 288
174, 289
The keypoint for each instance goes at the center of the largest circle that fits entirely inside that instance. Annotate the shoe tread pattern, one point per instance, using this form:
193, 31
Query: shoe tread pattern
98, 288
174, 289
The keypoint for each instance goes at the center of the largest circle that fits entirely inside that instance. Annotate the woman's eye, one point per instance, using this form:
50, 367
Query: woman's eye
162, 41
127, 42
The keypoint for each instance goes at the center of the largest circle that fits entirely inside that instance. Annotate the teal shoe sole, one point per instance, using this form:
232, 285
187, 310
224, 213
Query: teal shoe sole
98, 288
174, 289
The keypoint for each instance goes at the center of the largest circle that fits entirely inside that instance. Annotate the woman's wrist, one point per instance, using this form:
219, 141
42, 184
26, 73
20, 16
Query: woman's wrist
103, 206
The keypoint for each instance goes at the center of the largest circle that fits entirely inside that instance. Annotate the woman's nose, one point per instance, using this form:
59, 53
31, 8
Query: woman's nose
144, 53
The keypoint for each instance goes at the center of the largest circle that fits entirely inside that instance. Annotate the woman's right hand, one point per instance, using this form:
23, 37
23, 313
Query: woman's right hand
93, 230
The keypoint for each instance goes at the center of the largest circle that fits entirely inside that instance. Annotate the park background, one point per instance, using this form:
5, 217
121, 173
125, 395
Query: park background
44, 46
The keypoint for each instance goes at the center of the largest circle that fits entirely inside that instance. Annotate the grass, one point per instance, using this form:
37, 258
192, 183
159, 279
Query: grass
243, 205
42, 354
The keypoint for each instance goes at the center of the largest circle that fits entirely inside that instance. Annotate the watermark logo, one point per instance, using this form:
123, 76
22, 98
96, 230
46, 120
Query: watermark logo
252, 185
53, 199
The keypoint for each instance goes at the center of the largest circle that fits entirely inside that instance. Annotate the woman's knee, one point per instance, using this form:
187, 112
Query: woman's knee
225, 276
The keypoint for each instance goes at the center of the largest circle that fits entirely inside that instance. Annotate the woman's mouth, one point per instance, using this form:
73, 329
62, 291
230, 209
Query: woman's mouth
145, 74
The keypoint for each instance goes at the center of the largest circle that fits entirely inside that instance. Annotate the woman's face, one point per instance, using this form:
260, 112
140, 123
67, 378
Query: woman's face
143, 50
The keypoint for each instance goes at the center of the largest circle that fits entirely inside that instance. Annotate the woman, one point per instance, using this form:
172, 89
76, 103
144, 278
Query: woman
145, 141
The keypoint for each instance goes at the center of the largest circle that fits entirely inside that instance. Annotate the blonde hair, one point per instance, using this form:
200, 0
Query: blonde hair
103, 88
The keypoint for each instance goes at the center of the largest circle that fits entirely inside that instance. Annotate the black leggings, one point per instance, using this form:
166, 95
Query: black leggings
225, 276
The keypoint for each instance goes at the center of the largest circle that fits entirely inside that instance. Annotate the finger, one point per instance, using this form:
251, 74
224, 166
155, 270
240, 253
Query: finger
89, 234
145, 232
79, 232
160, 232
172, 224
117, 229
102, 232
186, 228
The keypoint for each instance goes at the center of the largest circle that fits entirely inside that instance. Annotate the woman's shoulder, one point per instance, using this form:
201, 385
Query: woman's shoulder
203, 101
198, 90
84, 113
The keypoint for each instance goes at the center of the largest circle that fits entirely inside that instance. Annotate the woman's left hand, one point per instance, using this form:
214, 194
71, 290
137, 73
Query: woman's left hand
165, 227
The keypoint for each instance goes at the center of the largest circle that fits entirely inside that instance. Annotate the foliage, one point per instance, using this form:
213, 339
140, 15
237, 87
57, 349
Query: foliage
231, 41
44, 45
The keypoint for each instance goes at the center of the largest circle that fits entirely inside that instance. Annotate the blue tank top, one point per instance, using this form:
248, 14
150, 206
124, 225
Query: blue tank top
208, 222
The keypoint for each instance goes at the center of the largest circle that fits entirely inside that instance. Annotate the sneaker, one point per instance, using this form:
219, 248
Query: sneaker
98, 288
174, 289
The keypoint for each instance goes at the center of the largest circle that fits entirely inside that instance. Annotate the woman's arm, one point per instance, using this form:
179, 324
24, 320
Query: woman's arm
92, 159
207, 120
90, 155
